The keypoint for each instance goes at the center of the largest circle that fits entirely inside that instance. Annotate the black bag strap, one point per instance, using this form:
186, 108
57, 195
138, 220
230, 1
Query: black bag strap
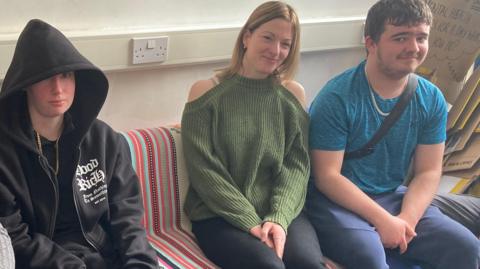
388, 122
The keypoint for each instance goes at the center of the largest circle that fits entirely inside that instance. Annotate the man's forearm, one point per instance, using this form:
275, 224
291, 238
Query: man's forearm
427, 170
419, 195
342, 191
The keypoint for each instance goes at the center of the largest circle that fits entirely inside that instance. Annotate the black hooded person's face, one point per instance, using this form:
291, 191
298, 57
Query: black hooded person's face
51, 97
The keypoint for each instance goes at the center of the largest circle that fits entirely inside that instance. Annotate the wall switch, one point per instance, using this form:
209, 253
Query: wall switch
149, 49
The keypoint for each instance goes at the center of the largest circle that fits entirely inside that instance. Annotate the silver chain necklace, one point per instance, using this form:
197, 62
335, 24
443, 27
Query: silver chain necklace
375, 103
372, 95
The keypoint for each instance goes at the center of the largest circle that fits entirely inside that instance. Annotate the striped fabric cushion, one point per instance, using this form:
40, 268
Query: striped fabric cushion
157, 158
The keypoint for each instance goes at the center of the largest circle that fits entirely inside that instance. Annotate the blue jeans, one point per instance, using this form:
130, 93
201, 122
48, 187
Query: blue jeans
441, 243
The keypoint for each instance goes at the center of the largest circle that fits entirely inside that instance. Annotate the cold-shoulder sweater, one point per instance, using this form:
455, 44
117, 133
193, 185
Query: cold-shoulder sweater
246, 150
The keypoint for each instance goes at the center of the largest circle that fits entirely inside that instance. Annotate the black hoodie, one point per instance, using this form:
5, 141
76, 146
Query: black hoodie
95, 186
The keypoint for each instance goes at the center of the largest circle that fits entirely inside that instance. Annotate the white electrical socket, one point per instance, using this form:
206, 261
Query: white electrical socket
149, 49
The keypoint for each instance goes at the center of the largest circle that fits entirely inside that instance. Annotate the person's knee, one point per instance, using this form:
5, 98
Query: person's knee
305, 264
267, 263
368, 257
364, 250
302, 249
461, 244
255, 261
261, 259
467, 246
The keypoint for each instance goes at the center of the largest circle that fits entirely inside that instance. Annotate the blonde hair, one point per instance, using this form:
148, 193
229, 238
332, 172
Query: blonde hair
264, 13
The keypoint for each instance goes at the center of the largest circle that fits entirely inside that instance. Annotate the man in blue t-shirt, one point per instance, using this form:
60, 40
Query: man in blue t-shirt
358, 206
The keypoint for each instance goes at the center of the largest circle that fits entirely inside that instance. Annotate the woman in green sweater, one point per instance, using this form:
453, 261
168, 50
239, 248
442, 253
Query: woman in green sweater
244, 134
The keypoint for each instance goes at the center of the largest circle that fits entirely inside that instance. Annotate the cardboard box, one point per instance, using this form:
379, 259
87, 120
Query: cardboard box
462, 150
459, 185
465, 104
458, 139
454, 44
466, 173
466, 158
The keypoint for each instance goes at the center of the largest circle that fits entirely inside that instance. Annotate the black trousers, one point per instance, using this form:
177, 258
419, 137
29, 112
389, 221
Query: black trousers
231, 248
462, 208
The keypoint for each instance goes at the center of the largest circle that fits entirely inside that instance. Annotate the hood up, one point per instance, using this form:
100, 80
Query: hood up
41, 52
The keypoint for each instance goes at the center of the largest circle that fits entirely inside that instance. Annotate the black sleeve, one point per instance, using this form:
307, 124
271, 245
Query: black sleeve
126, 212
32, 250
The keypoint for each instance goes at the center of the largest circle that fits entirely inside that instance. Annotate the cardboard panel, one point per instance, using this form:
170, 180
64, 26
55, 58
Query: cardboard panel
469, 129
454, 43
468, 110
466, 173
466, 158
463, 99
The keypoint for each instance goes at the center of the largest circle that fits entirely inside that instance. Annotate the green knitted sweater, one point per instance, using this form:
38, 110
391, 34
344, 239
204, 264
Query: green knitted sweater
246, 151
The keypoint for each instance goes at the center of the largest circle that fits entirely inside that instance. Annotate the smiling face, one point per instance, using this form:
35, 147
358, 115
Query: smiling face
266, 48
400, 49
51, 97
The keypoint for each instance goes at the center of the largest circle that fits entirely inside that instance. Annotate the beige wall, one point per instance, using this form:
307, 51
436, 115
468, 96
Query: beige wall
149, 98
130, 15
201, 36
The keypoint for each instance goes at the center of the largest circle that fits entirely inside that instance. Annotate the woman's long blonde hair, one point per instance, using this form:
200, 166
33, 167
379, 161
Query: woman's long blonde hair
264, 13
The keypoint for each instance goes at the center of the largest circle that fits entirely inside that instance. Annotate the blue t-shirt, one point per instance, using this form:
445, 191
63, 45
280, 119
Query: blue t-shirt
343, 117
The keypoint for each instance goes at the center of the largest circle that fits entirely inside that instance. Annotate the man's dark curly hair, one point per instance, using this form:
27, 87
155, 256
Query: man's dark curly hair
396, 12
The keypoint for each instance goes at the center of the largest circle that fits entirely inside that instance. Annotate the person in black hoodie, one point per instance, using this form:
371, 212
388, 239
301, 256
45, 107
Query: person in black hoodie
69, 197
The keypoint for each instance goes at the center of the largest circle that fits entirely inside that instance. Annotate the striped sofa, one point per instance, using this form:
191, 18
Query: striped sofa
156, 157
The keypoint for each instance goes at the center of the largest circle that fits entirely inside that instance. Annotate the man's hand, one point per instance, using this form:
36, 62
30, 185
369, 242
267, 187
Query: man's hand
395, 232
411, 222
274, 236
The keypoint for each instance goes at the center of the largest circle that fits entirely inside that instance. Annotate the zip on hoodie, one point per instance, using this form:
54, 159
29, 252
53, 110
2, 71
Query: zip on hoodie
76, 206
51, 227
42, 160
46, 166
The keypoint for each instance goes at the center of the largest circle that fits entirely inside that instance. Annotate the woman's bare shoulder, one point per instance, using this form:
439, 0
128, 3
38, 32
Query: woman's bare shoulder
297, 90
199, 88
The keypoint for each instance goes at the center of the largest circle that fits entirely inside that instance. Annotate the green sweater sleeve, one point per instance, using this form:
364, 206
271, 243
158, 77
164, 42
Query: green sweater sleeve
208, 176
288, 196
